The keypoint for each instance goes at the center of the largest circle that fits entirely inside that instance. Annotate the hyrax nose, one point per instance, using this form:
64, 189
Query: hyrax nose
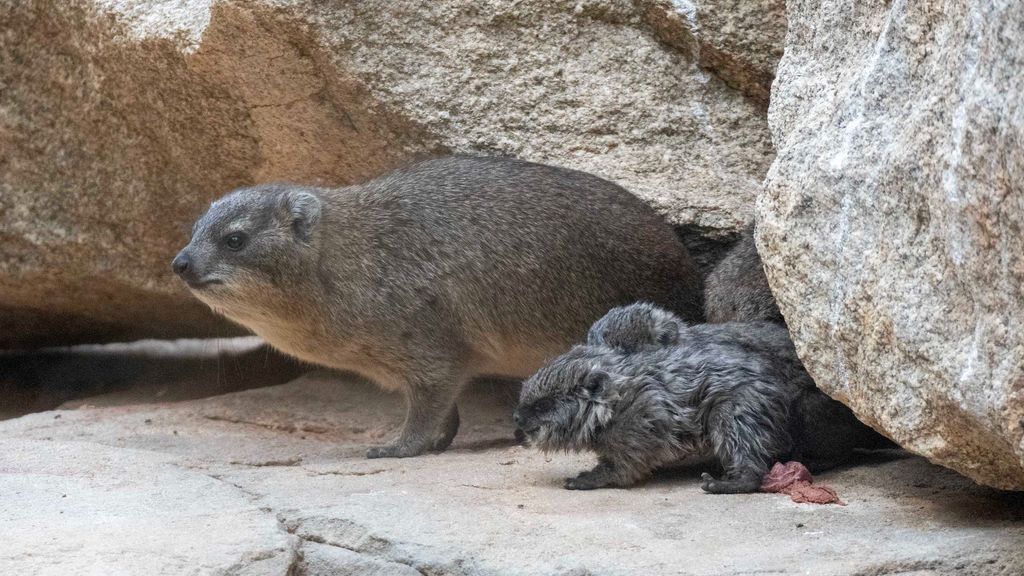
181, 263
518, 418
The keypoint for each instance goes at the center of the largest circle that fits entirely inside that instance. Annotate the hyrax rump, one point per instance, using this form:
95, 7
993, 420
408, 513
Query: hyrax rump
434, 274
737, 289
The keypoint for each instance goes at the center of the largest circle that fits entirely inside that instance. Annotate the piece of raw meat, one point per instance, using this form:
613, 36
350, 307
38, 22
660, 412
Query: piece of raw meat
794, 479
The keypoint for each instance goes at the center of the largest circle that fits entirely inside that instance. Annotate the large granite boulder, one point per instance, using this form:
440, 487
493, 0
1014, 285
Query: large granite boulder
892, 227
121, 119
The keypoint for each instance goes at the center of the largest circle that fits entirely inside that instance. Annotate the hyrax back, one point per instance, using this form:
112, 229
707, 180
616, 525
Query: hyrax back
435, 273
737, 289
644, 326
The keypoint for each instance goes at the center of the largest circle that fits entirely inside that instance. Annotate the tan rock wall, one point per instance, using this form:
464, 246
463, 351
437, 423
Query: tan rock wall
121, 119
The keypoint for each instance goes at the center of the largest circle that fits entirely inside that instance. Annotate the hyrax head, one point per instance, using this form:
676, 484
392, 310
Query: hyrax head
251, 247
567, 403
636, 327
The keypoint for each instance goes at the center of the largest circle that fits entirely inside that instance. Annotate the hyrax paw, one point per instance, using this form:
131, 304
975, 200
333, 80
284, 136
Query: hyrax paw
394, 451
584, 482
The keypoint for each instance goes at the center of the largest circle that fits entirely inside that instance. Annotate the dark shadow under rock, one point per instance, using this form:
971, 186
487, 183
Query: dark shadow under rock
139, 372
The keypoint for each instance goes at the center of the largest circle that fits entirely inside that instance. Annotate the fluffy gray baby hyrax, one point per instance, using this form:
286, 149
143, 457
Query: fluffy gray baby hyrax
825, 432
649, 409
434, 274
644, 326
662, 396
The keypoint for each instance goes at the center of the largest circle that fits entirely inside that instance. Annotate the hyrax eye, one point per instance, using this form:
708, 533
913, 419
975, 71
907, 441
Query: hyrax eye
235, 241
543, 405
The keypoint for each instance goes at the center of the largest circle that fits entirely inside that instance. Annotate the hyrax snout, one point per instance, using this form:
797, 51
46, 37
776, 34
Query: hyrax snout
434, 274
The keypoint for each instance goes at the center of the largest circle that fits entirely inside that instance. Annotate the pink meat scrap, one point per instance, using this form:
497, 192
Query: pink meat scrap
794, 478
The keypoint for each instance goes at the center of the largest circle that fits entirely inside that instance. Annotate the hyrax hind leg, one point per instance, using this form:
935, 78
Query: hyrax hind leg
431, 418
744, 437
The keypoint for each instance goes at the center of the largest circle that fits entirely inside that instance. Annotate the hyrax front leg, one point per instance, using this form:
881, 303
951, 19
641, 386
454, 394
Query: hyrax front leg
599, 477
431, 418
449, 428
610, 471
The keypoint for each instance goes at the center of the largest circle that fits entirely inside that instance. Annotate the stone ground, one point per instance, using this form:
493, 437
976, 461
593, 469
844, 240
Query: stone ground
273, 481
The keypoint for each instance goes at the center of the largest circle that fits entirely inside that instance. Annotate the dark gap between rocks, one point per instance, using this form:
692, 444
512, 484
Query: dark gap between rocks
707, 247
137, 372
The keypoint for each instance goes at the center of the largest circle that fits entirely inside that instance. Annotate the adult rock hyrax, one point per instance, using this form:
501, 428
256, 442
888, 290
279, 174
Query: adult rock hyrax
737, 289
434, 274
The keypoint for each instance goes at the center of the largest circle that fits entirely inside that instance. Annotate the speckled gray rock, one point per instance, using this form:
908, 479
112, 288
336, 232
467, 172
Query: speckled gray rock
892, 228
328, 560
69, 507
741, 41
121, 119
485, 507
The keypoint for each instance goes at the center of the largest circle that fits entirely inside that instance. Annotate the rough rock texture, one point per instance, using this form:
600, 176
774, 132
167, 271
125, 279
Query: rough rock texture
741, 41
121, 511
291, 456
121, 119
891, 229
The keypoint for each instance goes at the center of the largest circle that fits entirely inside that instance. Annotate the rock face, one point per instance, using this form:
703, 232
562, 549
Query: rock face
741, 41
121, 119
129, 512
274, 481
892, 229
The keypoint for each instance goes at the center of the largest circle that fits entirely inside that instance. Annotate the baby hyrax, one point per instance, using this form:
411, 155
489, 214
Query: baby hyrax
644, 326
825, 431
434, 274
650, 409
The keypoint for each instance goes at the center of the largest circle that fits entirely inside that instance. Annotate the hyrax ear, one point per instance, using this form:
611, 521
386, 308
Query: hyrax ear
302, 210
669, 334
595, 383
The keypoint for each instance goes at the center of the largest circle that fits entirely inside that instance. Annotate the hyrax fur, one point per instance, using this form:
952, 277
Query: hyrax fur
646, 404
644, 326
434, 274
649, 409
737, 289
825, 431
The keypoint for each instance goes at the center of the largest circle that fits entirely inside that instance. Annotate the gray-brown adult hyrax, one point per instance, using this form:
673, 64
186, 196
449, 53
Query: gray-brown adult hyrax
737, 289
434, 274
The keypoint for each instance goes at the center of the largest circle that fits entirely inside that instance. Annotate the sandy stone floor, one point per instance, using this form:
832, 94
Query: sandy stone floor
273, 481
